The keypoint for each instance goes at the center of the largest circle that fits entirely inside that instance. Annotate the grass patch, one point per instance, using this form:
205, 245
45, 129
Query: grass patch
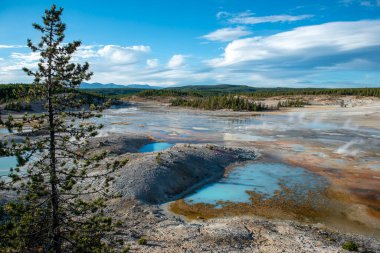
350, 246
142, 241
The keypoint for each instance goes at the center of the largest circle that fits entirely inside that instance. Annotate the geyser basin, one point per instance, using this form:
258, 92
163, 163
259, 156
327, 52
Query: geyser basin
155, 147
6, 163
265, 179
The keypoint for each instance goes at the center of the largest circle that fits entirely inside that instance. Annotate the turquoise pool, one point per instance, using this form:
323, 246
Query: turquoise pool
6, 163
155, 147
259, 177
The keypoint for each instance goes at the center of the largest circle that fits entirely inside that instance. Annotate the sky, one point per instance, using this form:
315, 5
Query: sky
262, 43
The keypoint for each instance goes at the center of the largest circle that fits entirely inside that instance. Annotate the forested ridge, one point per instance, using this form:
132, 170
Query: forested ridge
232, 102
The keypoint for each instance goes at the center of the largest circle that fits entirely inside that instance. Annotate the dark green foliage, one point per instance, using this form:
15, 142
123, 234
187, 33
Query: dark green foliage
18, 106
6, 91
224, 89
142, 241
114, 92
13, 91
168, 93
292, 103
60, 194
235, 103
369, 92
159, 158
215, 90
125, 250
350, 246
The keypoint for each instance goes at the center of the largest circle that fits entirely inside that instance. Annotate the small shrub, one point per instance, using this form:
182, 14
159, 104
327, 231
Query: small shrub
350, 246
125, 250
18, 106
120, 241
210, 147
330, 239
118, 223
142, 241
158, 158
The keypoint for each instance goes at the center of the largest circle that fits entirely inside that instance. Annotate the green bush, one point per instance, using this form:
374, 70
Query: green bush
125, 250
159, 158
142, 241
350, 246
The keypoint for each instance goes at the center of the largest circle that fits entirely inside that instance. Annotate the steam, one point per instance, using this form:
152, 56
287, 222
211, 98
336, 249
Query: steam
298, 118
348, 148
349, 125
245, 137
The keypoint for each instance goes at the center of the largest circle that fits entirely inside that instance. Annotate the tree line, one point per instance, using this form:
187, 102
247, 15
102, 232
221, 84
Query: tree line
168, 93
232, 102
18, 97
259, 92
366, 92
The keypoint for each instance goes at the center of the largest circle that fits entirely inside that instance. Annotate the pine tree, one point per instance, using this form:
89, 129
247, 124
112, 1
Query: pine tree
59, 185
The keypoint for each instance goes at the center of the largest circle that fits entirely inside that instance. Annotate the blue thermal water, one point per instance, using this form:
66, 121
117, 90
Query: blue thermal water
7, 162
191, 125
262, 178
154, 147
4, 131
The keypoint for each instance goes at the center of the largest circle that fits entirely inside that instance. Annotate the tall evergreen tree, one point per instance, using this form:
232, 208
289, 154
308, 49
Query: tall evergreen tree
59, 184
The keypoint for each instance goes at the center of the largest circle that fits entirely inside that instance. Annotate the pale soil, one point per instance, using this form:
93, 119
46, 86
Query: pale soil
148, 180
165, 232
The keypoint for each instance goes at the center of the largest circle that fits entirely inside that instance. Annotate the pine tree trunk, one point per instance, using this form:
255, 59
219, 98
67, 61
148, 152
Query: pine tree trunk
53, 173
53, 182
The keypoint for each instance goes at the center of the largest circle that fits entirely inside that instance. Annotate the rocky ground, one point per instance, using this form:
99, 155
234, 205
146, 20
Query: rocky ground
159, 177
149, 180
165, 232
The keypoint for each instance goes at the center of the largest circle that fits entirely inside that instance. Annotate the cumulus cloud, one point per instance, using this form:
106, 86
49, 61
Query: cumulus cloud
28, 57
268, 19
248, 18
176, 61
86, 52
152, 63
122, 55
331, 54
366, 3
308, 43
11, 46
227, 34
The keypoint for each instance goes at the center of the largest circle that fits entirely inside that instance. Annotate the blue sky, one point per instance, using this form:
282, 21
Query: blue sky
294, 43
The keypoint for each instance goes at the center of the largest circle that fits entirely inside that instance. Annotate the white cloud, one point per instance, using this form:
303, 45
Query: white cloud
11, 46
366, 3
227, 34
28, 57
248, 18
152, 63
331, 54
176, 61
86, 51
268, 19
123, 55
308, 42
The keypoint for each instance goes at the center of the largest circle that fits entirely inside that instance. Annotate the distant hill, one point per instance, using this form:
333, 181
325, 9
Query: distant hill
85, 85
143, 86
223, 88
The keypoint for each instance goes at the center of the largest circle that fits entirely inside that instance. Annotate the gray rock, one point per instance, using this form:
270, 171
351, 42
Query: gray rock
163, 176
